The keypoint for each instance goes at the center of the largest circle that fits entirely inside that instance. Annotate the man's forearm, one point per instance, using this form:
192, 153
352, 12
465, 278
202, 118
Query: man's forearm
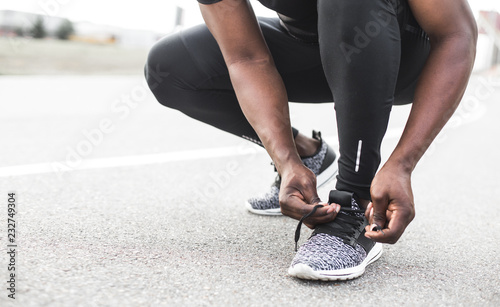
256, 81
263, 99
440, 89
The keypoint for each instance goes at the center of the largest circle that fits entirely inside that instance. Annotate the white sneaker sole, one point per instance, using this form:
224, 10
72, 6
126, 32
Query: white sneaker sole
321, 180
303, 271
273, 211
328, 173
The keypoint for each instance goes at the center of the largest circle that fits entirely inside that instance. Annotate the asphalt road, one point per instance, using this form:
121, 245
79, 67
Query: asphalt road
122, 202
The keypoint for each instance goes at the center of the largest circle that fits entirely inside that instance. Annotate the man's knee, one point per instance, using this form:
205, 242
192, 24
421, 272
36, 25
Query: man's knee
160, 70
157, 64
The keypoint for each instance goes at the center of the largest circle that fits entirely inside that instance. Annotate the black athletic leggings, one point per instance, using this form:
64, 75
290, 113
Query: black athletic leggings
370, 54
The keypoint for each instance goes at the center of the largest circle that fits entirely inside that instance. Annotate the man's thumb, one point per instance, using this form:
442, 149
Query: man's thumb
378, 216
312, 197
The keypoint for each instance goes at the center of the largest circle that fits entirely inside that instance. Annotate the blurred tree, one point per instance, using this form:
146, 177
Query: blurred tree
38, 29
65, 30
19, 31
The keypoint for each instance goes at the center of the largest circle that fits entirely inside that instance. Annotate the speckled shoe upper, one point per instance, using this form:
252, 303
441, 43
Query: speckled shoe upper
324, 252
337, 250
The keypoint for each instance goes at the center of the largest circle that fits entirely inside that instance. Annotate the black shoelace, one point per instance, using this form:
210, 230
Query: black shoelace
349, 221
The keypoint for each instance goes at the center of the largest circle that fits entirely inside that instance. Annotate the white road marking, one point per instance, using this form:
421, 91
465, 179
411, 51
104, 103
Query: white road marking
179, 156
168, 157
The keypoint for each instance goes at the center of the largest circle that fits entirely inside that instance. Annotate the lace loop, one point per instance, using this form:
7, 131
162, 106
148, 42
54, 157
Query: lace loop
299, 226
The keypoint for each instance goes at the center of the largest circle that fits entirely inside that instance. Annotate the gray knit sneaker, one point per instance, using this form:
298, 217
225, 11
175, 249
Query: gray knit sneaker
337, 250
323, 163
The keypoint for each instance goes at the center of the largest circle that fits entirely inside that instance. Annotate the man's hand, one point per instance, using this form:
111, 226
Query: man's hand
452, 32
392, 206
298, 196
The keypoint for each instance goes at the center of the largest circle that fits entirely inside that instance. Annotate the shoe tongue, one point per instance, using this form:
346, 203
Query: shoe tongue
342, 223
344, 199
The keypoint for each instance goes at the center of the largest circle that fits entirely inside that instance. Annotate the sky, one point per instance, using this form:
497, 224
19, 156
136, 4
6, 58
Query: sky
156, 15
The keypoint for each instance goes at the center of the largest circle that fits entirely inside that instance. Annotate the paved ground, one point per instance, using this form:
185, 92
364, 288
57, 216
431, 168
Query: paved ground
149, 211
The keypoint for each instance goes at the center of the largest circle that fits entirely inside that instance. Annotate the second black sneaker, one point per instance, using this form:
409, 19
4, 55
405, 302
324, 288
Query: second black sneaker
323, 164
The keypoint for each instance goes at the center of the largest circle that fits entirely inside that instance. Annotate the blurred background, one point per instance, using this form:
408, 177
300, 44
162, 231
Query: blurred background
66, 65
120, 196
113, 37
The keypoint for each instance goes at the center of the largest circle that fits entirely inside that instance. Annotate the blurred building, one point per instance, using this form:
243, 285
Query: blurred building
489, 40
13, 23
93, 33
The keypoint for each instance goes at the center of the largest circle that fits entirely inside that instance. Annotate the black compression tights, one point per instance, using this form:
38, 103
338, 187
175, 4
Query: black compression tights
370, 55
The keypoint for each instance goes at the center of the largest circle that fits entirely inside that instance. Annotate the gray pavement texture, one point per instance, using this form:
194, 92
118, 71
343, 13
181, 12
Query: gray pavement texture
177, 233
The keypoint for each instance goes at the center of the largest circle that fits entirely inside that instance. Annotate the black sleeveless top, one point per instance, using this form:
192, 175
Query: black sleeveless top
298, 17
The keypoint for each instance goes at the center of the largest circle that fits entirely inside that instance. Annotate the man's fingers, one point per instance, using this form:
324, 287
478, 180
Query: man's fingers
398, 220
389, 235
294, 202
296, 208
379, 209
322, 215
